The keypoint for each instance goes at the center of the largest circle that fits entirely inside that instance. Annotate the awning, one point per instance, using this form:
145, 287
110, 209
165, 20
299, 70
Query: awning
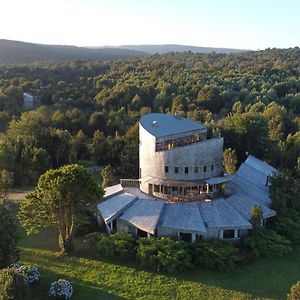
217, 180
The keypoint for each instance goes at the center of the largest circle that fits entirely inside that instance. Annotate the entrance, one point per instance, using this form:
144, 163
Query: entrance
150, 189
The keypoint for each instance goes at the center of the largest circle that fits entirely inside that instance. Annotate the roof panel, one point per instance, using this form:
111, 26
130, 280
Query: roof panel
260, 165
144, 214
161, 125
114, 205
183, 216
113, 190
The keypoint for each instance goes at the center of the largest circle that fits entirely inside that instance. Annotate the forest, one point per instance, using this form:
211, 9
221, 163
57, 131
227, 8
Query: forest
89, 110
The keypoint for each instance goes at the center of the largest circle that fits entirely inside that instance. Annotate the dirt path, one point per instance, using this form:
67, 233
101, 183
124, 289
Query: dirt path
19, 193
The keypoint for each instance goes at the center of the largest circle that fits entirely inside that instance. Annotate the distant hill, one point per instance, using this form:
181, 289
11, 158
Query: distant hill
152, 49
22, 52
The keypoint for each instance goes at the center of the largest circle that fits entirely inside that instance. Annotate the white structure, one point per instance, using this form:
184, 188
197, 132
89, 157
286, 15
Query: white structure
30, 101
179, 190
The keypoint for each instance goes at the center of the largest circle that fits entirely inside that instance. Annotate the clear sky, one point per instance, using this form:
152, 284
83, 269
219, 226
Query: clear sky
246, 24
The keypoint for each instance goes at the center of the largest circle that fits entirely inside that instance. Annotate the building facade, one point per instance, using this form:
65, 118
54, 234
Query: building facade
182, 190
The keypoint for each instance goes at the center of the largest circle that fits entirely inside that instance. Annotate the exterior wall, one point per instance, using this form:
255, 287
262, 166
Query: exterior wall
125, 226
27, 100
205, 153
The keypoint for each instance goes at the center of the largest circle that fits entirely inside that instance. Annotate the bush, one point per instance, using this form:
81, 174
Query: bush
164, 254
267, 242
288, 225
118, 244
86, 223
294, 292
8, 236
12, 285
61, 289
31, 274
215, 254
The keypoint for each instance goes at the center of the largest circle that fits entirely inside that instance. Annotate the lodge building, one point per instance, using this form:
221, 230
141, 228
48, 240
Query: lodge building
182, 190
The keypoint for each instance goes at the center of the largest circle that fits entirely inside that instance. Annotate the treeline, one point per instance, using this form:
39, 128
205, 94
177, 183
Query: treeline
90, 110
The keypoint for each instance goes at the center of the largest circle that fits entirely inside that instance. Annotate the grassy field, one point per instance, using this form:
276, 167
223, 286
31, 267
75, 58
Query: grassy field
102, 279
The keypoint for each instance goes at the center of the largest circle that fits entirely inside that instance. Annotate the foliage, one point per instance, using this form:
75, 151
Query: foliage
288, 225
6, 183
164, 255
31, 274
230, 160
61, 289
267, 242
215, 254
58, 200
106, 174
116, 245
12, 285
294, 292
9, 236
256, 217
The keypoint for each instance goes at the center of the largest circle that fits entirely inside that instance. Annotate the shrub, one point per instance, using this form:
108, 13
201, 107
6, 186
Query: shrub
31, 274
267, 242
12, 285
118, 244
215, 254
288, 225
61, 288
294, 292
164, 254
8, 236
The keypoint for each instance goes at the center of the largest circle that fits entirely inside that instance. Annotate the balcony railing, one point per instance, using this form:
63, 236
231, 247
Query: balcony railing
130, 183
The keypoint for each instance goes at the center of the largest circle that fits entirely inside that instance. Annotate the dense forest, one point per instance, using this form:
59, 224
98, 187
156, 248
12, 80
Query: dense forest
89, 109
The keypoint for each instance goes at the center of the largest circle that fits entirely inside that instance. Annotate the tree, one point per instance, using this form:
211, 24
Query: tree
256, 217
230, 160
6, 183
12, 285
106, 174
294, 292
58, 200
9, 236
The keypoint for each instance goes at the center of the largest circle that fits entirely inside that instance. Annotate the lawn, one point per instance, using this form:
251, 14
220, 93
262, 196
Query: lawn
102, 279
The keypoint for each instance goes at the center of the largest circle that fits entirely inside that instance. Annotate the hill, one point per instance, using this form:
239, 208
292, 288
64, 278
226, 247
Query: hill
152, 49
22, 52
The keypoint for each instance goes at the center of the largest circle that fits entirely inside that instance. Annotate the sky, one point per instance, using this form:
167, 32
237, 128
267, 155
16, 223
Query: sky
243, 24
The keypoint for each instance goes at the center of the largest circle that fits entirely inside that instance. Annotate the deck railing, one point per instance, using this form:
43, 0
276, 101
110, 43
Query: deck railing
130, 183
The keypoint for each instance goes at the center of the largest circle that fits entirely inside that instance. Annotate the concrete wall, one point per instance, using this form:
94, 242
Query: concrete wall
205, 153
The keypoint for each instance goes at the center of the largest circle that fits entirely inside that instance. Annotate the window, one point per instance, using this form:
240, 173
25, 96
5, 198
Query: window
196, 170
204, 169
187, 237
156, 188
166, 169
228, 234
186, 170
176, 170
212, 167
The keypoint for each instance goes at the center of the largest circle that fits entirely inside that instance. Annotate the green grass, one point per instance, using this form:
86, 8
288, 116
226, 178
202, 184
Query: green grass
103, 279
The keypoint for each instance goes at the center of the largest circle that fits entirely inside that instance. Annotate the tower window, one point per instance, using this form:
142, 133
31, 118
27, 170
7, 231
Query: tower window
176, 170
186, 170
212, 167
204, 169
196, 169
166, 169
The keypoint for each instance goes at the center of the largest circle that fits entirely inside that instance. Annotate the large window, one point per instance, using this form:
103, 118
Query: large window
186, 170
196, 169
176, 170
228, 234
204, 169
166, 169
212, 167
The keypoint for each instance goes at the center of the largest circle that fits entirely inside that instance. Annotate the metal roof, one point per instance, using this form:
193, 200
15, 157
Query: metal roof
161, 125
144, 214
113, 190
219, 214
183, 217
260, 165
114, 205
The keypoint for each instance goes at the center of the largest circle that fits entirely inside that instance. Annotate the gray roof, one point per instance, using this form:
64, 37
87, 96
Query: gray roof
260, 165
144, 214
114, 205
243, 204
113, 190
183, 217
161, 125
219, 214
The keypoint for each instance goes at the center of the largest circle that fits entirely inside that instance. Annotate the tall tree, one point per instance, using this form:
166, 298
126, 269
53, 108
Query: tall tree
106, 174
6, 183
58, 200
230, 160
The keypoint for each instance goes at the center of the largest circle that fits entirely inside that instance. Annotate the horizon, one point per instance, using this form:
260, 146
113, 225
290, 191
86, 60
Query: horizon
249, 25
